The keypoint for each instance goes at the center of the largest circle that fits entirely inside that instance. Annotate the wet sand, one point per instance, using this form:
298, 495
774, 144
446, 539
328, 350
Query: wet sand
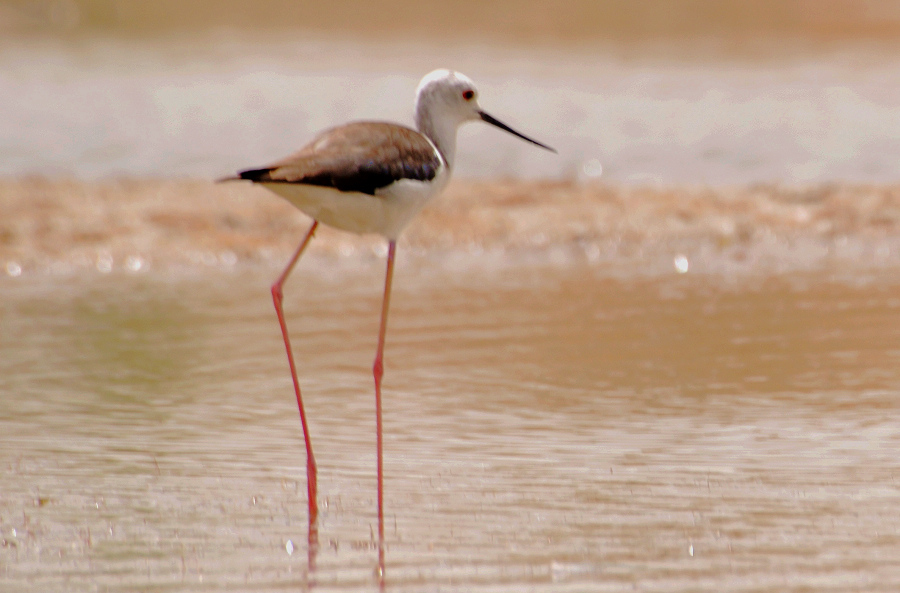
53, 225
522, 22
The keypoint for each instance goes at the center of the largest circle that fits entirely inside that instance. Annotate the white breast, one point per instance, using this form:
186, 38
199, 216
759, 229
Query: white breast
387, 213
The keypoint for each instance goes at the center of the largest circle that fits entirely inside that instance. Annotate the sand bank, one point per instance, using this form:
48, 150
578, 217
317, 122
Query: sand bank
56, 225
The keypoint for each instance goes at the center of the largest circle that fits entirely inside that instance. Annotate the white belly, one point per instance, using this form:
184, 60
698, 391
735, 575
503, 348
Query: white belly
387, 213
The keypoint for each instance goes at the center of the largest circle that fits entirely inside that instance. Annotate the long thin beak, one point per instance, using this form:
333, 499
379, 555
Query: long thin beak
496, 122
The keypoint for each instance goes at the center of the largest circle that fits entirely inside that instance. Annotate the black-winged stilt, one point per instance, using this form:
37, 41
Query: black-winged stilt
373, 177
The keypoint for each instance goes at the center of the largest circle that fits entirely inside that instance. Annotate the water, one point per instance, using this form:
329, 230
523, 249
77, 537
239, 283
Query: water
668, 360
546, 429
208, 105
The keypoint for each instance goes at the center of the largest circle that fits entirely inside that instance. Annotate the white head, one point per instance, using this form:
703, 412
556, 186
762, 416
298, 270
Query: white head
449, 95
445, 100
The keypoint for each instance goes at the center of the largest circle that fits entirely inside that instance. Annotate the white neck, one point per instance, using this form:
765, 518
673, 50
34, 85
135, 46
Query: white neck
440, 130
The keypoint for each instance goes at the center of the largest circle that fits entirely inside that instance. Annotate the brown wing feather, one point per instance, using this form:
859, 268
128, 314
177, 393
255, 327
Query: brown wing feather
361, 157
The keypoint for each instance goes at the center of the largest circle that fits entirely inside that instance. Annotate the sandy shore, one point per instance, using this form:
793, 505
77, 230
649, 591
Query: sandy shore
50, 224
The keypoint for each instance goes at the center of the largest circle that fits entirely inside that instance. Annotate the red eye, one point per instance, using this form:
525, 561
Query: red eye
468, 94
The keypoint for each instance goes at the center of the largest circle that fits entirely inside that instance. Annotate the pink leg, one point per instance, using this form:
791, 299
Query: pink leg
312, 551
378, 371
277, 298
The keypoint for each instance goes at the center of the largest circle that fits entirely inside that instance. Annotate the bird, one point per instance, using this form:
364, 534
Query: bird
372, 177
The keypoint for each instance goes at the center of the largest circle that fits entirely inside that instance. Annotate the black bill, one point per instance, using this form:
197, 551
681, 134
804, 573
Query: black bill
495, 122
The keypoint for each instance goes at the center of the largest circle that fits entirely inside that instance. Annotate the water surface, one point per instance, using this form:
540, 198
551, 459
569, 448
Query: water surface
547, 429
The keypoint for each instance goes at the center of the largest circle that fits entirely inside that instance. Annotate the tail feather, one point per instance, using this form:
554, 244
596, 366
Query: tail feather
254, 175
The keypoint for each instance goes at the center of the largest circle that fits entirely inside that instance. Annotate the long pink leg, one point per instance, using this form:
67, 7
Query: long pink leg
277, 297
312, 551
378, 372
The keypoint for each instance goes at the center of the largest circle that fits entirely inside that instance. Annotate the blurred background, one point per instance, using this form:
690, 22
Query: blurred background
516, 22
635, 92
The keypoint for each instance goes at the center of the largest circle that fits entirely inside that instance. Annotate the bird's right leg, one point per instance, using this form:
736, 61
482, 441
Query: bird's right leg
378, 372
277, 297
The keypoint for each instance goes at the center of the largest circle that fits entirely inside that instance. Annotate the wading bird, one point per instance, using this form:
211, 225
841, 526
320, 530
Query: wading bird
373, 177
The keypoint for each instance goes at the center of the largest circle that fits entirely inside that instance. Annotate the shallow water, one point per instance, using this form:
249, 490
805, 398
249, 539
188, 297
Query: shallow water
546, 429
